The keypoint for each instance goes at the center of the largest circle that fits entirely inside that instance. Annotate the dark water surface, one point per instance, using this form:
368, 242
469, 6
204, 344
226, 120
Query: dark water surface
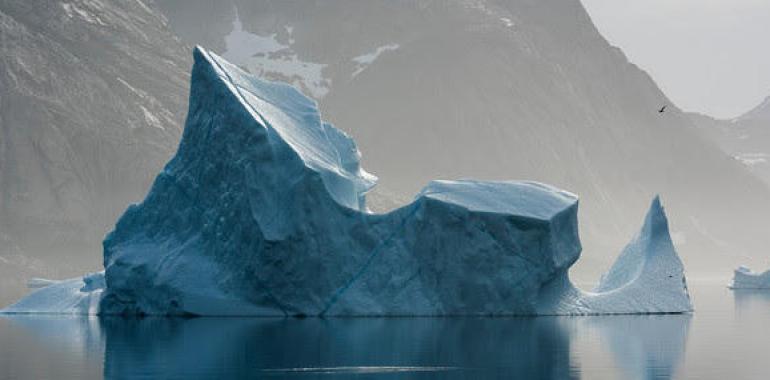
728, 337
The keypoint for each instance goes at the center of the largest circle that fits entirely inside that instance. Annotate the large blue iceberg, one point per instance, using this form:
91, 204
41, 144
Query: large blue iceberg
262, 212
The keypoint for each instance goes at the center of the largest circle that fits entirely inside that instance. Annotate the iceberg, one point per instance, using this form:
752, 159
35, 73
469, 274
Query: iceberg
745, 278
647, 278
262, 212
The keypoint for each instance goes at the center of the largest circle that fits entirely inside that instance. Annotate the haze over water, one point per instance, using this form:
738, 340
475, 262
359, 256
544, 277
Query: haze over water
725, 338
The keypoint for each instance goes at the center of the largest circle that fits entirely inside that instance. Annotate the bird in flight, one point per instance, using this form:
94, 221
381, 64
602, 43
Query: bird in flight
662, 109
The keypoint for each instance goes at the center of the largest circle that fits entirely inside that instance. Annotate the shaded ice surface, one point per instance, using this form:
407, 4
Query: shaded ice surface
262, 212
744, 278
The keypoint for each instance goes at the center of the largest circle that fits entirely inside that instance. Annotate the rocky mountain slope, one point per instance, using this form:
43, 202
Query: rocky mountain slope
92, 96
745, 138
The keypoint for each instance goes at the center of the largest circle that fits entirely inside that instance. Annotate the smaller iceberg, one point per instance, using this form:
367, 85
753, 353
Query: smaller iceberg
647, 278
744, 278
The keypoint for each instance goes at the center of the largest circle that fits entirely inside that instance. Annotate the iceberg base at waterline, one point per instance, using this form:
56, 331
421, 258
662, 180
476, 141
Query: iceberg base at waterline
262, 212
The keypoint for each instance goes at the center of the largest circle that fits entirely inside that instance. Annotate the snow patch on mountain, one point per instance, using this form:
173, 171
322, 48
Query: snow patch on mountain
265, 54
73, 10
363, 61
751, 159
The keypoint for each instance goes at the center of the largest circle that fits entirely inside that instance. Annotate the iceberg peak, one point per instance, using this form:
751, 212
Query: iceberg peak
292, 122
648, 271
653, 239
656, 222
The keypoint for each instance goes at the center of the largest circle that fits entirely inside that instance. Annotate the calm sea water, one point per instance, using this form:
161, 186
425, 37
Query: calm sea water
728, 337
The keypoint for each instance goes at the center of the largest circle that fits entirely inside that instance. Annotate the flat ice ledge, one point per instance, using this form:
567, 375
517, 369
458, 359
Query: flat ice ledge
525, 199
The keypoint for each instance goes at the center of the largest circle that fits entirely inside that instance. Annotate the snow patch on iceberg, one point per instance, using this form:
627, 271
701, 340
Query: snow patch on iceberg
262, 212
752, 159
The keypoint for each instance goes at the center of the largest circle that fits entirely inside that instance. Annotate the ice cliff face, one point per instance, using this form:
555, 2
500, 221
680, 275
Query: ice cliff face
262, 212
744, 278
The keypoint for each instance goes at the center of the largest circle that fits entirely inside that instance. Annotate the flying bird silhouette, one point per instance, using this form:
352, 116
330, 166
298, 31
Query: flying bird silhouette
662, 109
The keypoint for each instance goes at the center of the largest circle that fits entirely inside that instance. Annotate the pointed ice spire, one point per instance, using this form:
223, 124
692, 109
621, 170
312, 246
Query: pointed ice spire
648, 274
653, 240
656, 222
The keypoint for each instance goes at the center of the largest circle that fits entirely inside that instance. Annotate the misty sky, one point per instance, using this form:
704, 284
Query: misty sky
710, 56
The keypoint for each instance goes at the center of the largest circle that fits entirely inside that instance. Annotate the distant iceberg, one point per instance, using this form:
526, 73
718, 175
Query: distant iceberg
262, 212
744, 278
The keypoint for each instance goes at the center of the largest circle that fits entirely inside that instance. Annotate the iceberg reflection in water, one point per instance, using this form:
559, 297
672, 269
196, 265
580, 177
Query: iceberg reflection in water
752, 303
539, 348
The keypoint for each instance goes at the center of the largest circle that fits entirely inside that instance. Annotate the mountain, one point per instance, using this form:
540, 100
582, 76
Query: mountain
499, 89
92, 98
760, 113
745, 138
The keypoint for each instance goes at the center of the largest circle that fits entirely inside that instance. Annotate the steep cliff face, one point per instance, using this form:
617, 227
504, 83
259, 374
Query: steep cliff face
92, 96
499, 89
